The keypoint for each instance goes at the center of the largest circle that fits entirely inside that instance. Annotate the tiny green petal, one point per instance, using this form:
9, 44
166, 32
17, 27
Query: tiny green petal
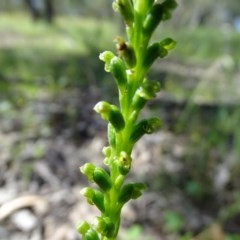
144, 93
168, 44
106, 57
107, 150
110, 113
88, 193
124, 163
94, 197
103, 108
87, 169
83, 227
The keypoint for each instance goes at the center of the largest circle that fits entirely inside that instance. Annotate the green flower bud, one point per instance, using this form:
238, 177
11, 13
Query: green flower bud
88, 193
126, 52
104, 226
83, 227
110, 113
106, 57
138, 101
91, 234
103, 108
125, 193
98, 200
118, 70
146, 126
106, 161
153, 18
87, 169
144, 93
153, 52
137, 190
126, 10
116, 119
170, 4
102, 178
158, 12
130, 191
124, 163
149, 89
107, 150
94, 197
168, 44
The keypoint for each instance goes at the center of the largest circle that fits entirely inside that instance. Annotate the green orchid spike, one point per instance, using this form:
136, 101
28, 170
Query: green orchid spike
128, 67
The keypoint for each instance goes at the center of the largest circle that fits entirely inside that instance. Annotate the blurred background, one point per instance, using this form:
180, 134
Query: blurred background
50, 79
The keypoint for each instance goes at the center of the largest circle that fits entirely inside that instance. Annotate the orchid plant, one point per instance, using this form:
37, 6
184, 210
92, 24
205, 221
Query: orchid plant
129, 66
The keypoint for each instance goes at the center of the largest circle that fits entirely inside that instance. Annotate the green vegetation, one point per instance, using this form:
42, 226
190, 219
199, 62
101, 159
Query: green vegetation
129, 68
37, 59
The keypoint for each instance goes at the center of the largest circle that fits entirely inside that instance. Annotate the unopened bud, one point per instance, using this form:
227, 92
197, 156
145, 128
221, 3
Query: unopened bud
153, 18
153, 52
170, 4
130, 191
116, 119
102, 178
144, 93
91, 234
110, 113
83, 227
103, 108
98, 200
88, 193
94, 197
159, 12
87, 169
104, 226
146, 126
125, 8
106, 57
168, 44
107, 150
107, 153
118, 70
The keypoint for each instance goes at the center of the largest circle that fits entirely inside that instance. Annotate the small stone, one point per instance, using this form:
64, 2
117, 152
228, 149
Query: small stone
24, 220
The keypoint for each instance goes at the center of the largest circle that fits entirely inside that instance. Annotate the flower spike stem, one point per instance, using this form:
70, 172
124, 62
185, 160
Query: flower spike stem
134, 56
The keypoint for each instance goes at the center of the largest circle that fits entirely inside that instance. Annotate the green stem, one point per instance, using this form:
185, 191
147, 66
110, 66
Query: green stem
123, 131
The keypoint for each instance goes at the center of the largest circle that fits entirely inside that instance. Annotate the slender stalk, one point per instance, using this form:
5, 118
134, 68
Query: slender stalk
129, 67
